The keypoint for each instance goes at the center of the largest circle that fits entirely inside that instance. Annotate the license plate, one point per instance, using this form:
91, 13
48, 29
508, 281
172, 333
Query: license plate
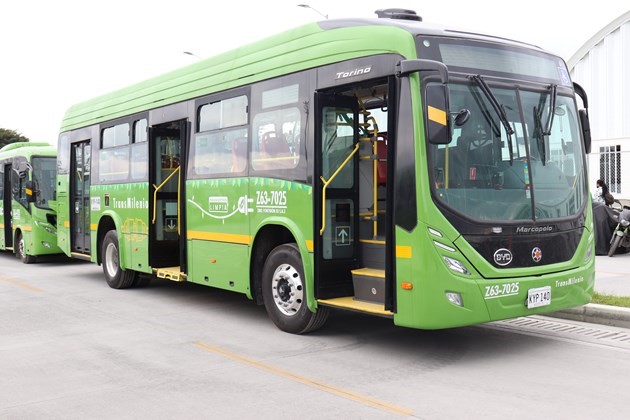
540, 296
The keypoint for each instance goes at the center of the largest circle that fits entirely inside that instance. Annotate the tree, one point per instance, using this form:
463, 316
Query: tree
10, 136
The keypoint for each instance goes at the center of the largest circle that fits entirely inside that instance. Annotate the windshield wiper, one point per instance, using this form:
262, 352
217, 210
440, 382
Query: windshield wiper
546, 130
539, 135
498, 109
553, 94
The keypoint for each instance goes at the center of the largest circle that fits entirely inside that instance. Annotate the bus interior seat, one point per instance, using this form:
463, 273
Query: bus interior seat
275, 145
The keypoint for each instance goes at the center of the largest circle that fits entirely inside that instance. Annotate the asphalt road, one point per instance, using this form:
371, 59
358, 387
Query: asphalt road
72, 348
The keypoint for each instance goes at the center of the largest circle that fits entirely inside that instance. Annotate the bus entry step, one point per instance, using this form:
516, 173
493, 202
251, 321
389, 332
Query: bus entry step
369, 285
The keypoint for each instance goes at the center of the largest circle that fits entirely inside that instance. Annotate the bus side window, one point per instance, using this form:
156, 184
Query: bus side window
220, 145
276, 144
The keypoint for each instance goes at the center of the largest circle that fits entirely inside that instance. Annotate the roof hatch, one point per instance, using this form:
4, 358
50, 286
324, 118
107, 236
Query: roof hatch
404, 14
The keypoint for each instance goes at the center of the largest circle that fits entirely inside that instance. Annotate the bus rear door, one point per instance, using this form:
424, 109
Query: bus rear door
80, 198
6, 210
167, 147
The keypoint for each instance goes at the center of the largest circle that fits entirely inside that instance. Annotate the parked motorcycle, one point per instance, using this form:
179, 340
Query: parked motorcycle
621, 234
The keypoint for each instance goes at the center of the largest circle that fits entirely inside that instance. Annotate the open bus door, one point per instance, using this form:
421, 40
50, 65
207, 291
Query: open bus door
336, 194
80, 198
167, 157
6, 211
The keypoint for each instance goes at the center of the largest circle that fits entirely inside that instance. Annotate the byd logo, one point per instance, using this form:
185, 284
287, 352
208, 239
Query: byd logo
502, 257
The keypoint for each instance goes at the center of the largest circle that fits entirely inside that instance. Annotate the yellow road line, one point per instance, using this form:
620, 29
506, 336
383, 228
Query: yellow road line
19, 284
381, 405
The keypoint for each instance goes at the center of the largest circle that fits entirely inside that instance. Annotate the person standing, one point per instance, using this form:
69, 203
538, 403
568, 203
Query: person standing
602, 193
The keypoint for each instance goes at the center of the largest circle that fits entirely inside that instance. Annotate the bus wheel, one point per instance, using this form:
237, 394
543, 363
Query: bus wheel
284, 292
21, 250
116, 277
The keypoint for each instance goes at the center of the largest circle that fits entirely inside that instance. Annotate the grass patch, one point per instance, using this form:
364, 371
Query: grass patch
611, 300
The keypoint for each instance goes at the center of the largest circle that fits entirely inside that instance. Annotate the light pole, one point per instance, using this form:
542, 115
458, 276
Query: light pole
306, 6
192, 54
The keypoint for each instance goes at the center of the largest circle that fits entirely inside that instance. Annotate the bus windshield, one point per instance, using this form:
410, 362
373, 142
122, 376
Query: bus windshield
535, 173
44, 172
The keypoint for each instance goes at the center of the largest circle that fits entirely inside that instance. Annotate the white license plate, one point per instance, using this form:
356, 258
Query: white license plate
540, 296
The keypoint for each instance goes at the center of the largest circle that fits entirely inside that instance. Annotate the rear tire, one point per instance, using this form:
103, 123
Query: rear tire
614, 245
20, 251
116, 277
284, 292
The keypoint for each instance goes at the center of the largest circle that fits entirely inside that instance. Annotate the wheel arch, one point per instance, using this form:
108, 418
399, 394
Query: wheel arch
16, 234
272, 233
107, 222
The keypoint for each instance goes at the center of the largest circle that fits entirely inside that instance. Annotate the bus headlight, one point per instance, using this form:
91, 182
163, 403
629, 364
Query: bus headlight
456, 266
589, 253
455, 298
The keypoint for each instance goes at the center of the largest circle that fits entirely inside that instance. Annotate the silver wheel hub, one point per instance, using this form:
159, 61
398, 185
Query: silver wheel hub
111, 259
21, 247
287, 289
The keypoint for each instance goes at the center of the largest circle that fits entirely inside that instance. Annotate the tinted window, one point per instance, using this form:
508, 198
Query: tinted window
221, 145
276, 139
117, 135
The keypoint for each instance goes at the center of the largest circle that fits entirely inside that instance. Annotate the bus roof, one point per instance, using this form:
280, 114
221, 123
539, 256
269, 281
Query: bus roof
305, 47
27, 149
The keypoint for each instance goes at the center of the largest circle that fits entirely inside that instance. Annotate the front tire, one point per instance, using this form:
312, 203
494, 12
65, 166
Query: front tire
284, 292
614, 245
116, 277
20, 252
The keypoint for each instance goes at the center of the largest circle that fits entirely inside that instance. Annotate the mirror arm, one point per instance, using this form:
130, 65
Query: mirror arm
406, 67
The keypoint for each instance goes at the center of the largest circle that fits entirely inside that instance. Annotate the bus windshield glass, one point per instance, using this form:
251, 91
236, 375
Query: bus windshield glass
44, 172
487, 174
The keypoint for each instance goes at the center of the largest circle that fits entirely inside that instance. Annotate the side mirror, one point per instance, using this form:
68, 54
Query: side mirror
437, 114
586, 129
583, 114
30, 191
462, 117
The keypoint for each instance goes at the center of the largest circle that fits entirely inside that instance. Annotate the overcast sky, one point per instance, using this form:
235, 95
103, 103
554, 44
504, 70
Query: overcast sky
58, 52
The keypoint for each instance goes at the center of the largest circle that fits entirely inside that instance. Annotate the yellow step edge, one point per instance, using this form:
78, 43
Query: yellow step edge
170, 273
350, 303
372, 241
369, 272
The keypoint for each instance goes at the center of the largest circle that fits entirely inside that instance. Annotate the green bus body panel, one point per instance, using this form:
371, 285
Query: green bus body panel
426, 305
31, 222
127, 205
224, 217
63, 213
299, 49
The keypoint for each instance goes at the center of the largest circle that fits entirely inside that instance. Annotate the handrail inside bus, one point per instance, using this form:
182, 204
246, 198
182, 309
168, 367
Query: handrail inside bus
331, 179
157, 188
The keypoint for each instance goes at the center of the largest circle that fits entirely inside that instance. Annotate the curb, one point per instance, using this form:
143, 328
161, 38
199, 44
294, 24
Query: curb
596, 314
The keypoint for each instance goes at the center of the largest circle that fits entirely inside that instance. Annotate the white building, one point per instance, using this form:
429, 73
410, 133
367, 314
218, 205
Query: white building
602, 67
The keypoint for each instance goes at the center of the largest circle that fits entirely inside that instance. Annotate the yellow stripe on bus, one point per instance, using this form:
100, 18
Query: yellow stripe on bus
27, 228
309, 245
220, 237
93, 226
403, 251
66, 223
436, 115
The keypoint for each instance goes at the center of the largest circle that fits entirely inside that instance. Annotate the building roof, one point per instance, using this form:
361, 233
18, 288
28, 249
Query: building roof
597, 38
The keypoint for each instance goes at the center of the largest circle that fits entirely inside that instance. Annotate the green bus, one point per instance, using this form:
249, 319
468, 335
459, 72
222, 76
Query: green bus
432, 176
28, 219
